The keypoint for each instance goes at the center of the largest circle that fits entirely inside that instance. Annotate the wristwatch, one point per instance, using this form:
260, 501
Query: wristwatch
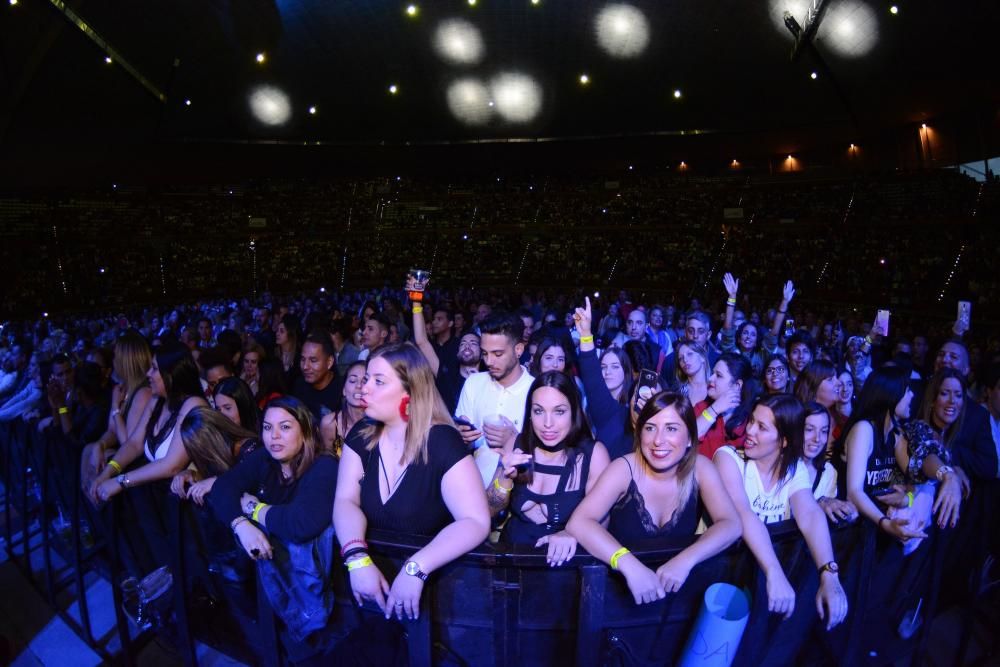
412, 568
830, 567
942, 471
122, 481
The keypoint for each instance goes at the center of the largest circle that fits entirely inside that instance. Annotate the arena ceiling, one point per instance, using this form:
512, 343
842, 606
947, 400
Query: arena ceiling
106, 72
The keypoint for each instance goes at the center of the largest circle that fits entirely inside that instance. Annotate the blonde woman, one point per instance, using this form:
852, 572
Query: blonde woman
408, 471
132, 360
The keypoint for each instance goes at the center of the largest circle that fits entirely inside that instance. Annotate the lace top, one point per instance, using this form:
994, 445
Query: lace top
631, 521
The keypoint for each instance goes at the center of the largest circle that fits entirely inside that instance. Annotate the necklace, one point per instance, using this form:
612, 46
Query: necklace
391, 488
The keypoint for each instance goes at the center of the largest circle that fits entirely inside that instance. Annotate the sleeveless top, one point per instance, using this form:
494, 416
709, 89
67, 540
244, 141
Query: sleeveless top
630, 521
157, 444
557, 507
881, 471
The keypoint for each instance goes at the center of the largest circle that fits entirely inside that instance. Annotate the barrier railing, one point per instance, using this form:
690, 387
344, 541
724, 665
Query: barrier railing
507, 606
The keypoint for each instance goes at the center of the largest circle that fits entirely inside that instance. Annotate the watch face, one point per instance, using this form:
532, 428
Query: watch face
833, 567
412, 568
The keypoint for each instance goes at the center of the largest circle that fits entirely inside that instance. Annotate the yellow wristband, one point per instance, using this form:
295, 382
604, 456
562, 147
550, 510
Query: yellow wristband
909, 498
586, 339
418, 309
359, 563
616, 555
64, 410
503, 489
708, 415
256, 510
114, 465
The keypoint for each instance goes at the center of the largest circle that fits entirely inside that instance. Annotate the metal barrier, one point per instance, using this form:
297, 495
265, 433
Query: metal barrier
496, 607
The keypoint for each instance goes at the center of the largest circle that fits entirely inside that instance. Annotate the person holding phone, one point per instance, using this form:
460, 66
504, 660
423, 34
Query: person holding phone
546, 471
662, 488
822, 473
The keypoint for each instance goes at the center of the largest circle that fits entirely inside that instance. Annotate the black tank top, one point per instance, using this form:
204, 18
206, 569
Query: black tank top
557, 506
881, 469
631, 522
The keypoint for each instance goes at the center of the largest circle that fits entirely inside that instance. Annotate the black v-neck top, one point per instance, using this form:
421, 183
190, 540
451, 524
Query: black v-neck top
417, 506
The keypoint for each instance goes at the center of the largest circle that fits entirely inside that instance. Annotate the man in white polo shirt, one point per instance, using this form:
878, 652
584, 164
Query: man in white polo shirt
497, 396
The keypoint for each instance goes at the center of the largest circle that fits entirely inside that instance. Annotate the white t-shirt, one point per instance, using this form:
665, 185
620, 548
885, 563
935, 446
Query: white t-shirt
826, 487
769, 506
483, 396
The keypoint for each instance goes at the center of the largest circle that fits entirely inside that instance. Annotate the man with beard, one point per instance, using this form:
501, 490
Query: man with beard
493, 402
316, 387
451, 377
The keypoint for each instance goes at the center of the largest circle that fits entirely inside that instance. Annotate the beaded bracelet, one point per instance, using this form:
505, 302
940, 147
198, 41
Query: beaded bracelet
237, 521
356, 540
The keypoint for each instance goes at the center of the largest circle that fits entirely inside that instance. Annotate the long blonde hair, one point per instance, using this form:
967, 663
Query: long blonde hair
133, 357
425, 407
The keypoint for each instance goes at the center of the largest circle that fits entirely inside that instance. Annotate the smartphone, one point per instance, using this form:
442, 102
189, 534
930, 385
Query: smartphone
965, 312
789, 326
882, 322
464, 422
648, 383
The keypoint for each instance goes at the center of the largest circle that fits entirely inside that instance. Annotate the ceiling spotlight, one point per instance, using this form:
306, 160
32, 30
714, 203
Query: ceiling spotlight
261, 58
790, 157
853, 147
677, 94
14, 2
814, 76
411, 10
622, 30
534, 2
458, 42
469, 101
518, 96
584, 79
393, 89
923, 126
107, 59
187, 103
892, 10
270, 105
312, 111
472, 3
101, 269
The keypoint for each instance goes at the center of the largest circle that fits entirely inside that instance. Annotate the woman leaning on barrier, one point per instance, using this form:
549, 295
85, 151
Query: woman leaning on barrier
284, 489
768, 485
406, 471
822, 473
173, 378
132, 360
550, 467
663, 488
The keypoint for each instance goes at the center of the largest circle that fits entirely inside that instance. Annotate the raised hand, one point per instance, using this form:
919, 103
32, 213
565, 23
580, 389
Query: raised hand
731, 284
788, 293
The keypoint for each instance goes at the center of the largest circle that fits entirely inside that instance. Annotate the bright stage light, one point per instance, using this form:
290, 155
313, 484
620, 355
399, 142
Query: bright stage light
518, 97
411, 10
622, 30
469, 101
849, 29
677, 94
458, 42
799, 9
312, 111
393, 89
270, 105
584, 79
894, 9
187, 103
814, 76
261, 58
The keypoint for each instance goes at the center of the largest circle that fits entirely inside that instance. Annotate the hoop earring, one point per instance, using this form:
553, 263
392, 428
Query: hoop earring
404, 408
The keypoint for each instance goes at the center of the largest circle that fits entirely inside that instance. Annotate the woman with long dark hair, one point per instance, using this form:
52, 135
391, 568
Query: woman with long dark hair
873, 438
174, 381
663, 488
722, 416
822, 474
608, 386
284, 488
563, 464
768, 484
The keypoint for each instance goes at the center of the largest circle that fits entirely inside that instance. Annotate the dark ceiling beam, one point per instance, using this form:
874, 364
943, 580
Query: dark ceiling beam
804, 36
103, 44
